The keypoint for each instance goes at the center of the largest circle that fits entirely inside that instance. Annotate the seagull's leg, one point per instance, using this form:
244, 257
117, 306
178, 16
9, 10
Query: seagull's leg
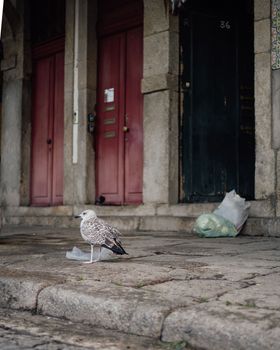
99, 255
91, 256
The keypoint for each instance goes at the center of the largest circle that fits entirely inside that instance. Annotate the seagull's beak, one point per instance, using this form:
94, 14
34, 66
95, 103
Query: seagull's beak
77, 216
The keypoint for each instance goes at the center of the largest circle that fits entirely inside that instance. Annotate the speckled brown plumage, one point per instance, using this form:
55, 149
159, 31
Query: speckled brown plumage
97, 232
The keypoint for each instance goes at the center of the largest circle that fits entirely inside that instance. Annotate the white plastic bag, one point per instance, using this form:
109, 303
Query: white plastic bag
234, 208
78, 254
227, 220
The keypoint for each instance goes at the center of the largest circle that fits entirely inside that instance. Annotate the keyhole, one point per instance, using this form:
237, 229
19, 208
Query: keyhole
225, 101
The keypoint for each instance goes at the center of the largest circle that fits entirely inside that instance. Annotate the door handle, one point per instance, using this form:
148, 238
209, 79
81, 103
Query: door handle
49, 141
125, 129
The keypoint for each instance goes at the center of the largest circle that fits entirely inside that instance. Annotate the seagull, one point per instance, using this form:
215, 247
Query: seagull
99, 233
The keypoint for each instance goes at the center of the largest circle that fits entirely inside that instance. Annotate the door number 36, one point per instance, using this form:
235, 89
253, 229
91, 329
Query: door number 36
225, 24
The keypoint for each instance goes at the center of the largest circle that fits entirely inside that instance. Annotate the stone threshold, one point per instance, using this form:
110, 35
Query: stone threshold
145, 217
259, 208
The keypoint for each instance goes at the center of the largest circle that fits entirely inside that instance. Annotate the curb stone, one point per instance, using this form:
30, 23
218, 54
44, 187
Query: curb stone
212, 328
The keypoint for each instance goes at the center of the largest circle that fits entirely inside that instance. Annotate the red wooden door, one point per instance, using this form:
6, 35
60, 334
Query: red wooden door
119, 117
47, 125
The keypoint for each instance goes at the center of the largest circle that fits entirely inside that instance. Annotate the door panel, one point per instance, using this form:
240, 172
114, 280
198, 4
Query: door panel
119, 151
133, 115
211, 81
48, 124
211, 128
41, 157
110, 119
58, 130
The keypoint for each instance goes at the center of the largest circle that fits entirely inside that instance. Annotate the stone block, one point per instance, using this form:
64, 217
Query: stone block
156, 147
278, 186
264, 172
262, 36
166, 223
174, 51
261, 9
68, 79
263, 88
265, 157
173, 192
276, 108
262, 294
9, 63
198, 289
156, 49
11, 142
123, 223
262, 227
186, 210
112, 307
156, 17
19, 292
39, 211
159, 82
217, 328
119, 211
69, 31
262, 208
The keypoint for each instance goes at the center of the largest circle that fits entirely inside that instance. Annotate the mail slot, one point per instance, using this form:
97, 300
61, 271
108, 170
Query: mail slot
109, 134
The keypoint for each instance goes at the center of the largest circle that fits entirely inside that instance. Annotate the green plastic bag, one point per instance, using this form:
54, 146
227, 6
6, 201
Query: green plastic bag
212, 225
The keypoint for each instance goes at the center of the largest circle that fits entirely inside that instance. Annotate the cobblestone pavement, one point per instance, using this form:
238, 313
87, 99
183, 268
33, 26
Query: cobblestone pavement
22, 330
213, 294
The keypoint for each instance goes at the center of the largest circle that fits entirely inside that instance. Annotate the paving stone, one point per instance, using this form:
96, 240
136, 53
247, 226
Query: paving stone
21, 330
262, 293
218, 327
120, 308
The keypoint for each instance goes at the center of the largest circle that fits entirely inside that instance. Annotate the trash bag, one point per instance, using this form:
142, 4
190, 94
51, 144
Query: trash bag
212, 225
234, 208
78, 254
227, 220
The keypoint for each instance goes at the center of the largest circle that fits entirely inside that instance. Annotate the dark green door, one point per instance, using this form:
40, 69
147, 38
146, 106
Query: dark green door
213, 55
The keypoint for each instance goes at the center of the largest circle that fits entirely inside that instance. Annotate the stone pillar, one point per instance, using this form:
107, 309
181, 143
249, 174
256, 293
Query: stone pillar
160, 89
79, 174
265, 155
13, 76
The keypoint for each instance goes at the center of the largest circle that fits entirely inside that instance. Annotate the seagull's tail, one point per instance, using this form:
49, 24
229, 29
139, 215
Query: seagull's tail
116, 248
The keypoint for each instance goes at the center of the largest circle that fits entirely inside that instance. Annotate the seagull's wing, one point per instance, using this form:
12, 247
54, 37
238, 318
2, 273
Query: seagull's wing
110, 230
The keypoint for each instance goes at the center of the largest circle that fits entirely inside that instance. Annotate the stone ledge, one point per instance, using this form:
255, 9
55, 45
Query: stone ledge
123, 309
19, 290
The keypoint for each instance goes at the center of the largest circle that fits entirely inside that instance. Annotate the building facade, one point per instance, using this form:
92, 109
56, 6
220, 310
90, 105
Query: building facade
145, 115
